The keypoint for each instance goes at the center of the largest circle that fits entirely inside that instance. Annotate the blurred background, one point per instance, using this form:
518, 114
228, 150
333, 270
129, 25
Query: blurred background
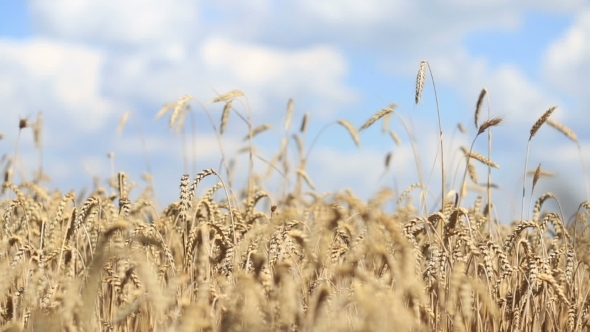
84, 64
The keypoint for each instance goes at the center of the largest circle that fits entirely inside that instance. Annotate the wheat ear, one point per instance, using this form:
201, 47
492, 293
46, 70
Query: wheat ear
482, 95
420, 81
351, 130
381, 113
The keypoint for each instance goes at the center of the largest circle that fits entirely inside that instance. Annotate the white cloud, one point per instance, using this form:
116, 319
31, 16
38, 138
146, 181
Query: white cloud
268, 75
316, 72
132, 22
60, 79
567, 61
350, 12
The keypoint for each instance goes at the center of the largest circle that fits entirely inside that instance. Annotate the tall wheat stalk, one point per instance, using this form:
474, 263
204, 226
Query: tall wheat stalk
419, 87
534, 130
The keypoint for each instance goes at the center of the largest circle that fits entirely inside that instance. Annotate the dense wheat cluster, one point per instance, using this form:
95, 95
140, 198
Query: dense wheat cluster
242, 259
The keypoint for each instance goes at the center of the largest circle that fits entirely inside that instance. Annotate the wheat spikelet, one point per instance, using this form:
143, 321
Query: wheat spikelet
122, 122
257, 197
509, 242
479, 103
542, 173
387, 160
461, 128
571, 317
541, 120
558, 226
164, 109
37, 131
489, 123
257, 131
420, 81
539, 204
305, 177
351, 130
479, 157
385, 123
395, 138
472, 172
406, 192
563, 129
299, 144
303, 126
185, 197
536, 176
122, 184
551, 281
288, 114
200, 176
88, 204
225, 116
376, 117
179, 112
228, 96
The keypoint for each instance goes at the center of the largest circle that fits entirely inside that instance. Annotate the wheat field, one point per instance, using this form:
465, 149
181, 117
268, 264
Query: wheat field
243, 259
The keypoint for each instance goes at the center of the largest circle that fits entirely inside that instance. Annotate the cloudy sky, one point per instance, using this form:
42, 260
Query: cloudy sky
85, 63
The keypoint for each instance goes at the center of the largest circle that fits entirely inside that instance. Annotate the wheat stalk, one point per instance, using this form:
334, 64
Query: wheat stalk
534, 130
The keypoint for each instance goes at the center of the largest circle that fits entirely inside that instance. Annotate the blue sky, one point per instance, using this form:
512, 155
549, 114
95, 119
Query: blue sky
85, 63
